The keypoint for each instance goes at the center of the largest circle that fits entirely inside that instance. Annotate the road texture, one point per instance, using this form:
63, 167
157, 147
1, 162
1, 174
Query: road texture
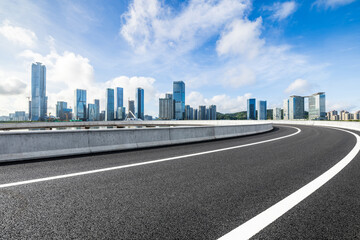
199, 197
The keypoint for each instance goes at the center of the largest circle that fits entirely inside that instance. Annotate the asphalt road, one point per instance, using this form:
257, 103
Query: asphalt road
199, 197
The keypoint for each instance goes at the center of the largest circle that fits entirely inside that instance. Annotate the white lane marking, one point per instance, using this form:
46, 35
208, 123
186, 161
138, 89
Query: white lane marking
259, 222
142, 163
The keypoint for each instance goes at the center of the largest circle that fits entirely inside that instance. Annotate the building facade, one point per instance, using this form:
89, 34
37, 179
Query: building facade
277, 113
296, 107
317, 109
38, 92
80, 105
131, 106
97, 109
119, 97
166, 107
110, 105
179, 99
139, 103
251, 109
202, 113
262, 110
91, 112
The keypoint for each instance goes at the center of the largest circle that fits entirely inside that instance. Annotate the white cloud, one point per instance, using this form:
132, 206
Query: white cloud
21, 36
223, 102
332, 3
12, 86
283, 10
241, 37
149, 24
299, 86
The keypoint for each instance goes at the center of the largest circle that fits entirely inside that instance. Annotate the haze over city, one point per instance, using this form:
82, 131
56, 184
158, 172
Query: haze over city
225, 51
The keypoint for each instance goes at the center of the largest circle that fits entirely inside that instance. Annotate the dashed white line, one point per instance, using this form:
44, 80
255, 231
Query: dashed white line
13, 184
259, 222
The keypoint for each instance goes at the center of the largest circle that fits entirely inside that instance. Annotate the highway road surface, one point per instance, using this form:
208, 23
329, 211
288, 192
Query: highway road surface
241, 187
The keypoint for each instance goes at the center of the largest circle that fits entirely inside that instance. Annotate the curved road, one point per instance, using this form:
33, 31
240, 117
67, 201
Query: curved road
201, 196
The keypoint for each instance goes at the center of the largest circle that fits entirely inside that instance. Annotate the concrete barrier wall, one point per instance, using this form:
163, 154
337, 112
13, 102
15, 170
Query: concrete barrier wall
16, 146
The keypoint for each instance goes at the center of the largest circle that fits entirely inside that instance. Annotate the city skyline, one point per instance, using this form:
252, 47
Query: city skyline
87, 49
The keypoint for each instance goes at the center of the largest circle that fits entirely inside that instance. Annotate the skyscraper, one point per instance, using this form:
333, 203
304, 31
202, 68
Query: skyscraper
277, 114
202, 113
80, 105
251, 109
286, 109
139, 103
179, 99
166, 107
262, 110
212, 112
97, 109
60, 110
131, 106
296, 107
317, 109
187, 112
91, 112
110, 108
38, 92
119, 97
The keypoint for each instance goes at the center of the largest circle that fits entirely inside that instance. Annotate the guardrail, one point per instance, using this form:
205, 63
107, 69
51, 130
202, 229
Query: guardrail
25, 145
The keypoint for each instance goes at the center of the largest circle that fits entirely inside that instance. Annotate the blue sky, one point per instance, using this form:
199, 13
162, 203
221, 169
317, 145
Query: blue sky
224, 50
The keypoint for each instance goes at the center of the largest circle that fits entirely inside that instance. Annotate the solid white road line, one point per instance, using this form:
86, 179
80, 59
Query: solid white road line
259, 222
142, 163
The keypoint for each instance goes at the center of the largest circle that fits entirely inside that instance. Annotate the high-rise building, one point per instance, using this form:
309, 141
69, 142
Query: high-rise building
251, 109
166, 107
131, 107
179, 99
19, 116
195, 114
121, 113
91, 112
29, 117
202, 113
61, 108
139, 103
110, 105
277, 114
212, 109
296, 107
317, 104
286, 109
119, 97
80, 105
262, 110
97, 109
38, 92
187, 112
102, 116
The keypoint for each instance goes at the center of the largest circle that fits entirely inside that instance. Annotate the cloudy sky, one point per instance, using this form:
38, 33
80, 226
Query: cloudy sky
224, 50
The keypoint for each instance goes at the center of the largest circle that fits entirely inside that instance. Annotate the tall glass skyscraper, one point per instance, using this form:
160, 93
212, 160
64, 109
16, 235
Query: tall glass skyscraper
317, 109
110, 105
97, 109
131, 106
251, 109
139, 99
38, 92
91, 112
80, 105
119, 97
179, 99
296, 107
262, 110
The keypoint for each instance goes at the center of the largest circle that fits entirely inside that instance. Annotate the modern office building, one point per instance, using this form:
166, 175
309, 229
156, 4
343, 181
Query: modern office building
179, 99
262, 110
166, 107
251, 109
139, 103
212, 109
148, 118
80, 105
121, 113
91, 112
38, 92
102, 116
119, 97
187, 112
357, 115
296, 107
110, 105
202, 113
19, 116
286, 109
131, 107
195, 114
29, 117
97, 109
62, 111
277, 114
317, 107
